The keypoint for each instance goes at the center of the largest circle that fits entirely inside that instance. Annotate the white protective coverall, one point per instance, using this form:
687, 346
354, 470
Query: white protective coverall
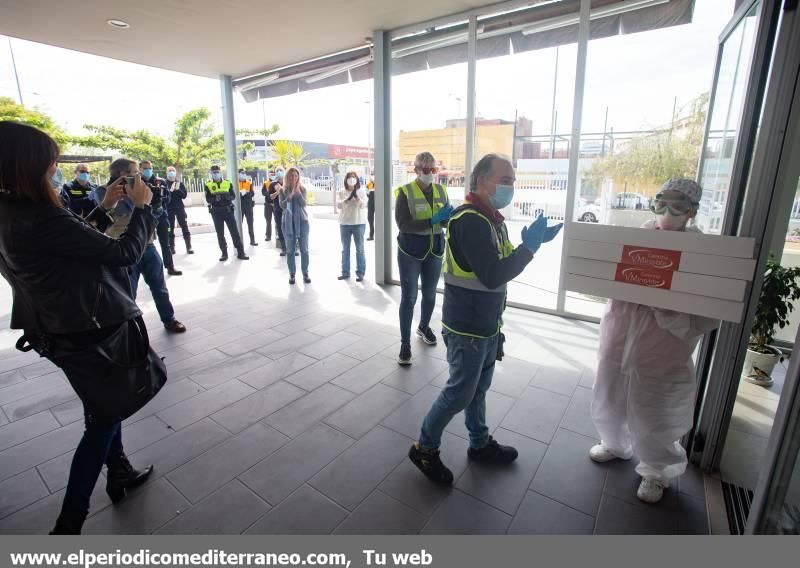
644, 395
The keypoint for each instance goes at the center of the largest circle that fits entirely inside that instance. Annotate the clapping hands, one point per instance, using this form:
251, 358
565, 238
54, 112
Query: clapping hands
538, 232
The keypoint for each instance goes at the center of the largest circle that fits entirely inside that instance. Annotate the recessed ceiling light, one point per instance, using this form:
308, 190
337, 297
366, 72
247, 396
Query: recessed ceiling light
119, 24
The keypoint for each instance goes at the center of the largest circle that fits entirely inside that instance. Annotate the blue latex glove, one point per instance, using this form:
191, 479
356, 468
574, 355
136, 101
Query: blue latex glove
442, 214
538, 232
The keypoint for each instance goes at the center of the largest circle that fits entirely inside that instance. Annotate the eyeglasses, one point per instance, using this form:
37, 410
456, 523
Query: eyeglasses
427, 171
674, 206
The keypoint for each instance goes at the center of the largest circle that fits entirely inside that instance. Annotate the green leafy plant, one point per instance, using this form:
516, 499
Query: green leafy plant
779, 289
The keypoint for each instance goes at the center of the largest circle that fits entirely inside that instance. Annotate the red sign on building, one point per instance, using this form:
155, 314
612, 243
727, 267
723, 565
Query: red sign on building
337, 151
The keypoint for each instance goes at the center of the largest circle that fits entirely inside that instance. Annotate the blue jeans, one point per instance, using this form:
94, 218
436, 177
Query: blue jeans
411, 270
357, 233
99, 441
471, 363
291, 245
151, 267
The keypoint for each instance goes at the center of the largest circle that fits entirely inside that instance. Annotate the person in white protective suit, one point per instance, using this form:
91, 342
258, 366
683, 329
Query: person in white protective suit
643, 397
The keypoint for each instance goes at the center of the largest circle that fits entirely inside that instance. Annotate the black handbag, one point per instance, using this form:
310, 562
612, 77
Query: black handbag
114, 377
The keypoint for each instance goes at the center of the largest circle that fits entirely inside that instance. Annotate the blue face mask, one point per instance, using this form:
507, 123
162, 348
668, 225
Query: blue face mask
217, 176
147, 173
171, 176
243, 177
503, 196
58, 178
83, 176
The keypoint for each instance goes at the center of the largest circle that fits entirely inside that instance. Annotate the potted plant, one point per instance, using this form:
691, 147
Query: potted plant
779, 289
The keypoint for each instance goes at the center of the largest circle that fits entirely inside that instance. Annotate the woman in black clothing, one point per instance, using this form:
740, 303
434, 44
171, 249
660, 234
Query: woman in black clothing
71, 290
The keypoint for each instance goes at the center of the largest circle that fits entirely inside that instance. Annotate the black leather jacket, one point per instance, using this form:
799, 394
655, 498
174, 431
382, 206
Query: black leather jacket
66, 275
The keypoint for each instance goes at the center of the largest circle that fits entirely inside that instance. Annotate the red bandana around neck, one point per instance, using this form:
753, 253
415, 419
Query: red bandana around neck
494, 215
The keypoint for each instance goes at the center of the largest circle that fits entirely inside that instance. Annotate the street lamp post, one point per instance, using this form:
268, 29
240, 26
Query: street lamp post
16, 75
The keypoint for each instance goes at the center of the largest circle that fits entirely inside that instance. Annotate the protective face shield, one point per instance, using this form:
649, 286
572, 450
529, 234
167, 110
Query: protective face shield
147, 173
503, 196
351, 182
171, 176
83, 176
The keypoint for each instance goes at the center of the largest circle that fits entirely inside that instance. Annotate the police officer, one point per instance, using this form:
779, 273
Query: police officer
220, 197
176, 210
248, 197
421, 209
159, 204
479, 263
79, 194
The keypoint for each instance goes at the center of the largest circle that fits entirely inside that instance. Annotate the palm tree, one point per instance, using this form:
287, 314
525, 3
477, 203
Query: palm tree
287, 154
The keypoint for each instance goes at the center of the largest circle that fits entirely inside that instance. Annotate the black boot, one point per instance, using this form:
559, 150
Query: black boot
188, 246
69, 523
121, 476
224, 256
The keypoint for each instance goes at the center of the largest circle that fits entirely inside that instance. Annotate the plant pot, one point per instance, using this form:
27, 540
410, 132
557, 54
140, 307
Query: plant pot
758, 366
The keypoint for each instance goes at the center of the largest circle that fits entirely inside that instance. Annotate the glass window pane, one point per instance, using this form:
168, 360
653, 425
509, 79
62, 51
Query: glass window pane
429, 101
726, 114
644, 110
524, 111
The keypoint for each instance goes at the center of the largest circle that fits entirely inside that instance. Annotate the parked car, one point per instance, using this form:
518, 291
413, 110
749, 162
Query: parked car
587, 212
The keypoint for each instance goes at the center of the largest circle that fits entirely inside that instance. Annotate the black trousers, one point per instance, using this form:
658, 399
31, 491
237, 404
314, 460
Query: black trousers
268, 219
247, 213
371, 216
224, 216
278, 213
162, 230
180, 215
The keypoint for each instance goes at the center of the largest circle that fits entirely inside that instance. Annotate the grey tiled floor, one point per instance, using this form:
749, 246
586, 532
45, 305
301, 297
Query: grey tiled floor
285, 412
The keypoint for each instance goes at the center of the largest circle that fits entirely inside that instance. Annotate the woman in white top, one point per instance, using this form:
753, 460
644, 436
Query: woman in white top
352, 202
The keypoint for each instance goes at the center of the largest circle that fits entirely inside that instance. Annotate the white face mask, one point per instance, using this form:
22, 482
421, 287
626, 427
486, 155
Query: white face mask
426, 178
670, 222
351, 182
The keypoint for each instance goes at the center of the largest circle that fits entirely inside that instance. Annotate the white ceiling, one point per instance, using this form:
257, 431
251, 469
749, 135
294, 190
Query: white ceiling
214, 37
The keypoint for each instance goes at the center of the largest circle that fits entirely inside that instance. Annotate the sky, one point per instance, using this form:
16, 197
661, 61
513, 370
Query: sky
638, 77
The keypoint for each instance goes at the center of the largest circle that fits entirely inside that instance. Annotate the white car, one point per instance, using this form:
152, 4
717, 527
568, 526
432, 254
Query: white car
587, 212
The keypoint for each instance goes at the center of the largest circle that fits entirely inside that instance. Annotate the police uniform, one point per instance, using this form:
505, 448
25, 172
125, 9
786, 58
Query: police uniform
161, 199
220, 196
80, 199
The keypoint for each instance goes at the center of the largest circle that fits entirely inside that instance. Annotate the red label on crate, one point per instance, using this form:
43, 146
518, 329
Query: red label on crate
640, 276
652, 258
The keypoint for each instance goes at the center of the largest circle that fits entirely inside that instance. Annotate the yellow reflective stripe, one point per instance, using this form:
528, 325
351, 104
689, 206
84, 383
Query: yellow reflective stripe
451, 330
214, 187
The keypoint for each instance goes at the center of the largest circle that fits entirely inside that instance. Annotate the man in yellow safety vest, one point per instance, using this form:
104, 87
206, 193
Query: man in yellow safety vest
479, 262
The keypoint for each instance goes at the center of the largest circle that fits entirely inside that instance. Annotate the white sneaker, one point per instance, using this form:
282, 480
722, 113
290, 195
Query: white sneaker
601, 454
651, 490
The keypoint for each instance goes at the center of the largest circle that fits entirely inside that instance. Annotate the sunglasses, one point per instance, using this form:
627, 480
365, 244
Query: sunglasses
674, 206
427, 171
